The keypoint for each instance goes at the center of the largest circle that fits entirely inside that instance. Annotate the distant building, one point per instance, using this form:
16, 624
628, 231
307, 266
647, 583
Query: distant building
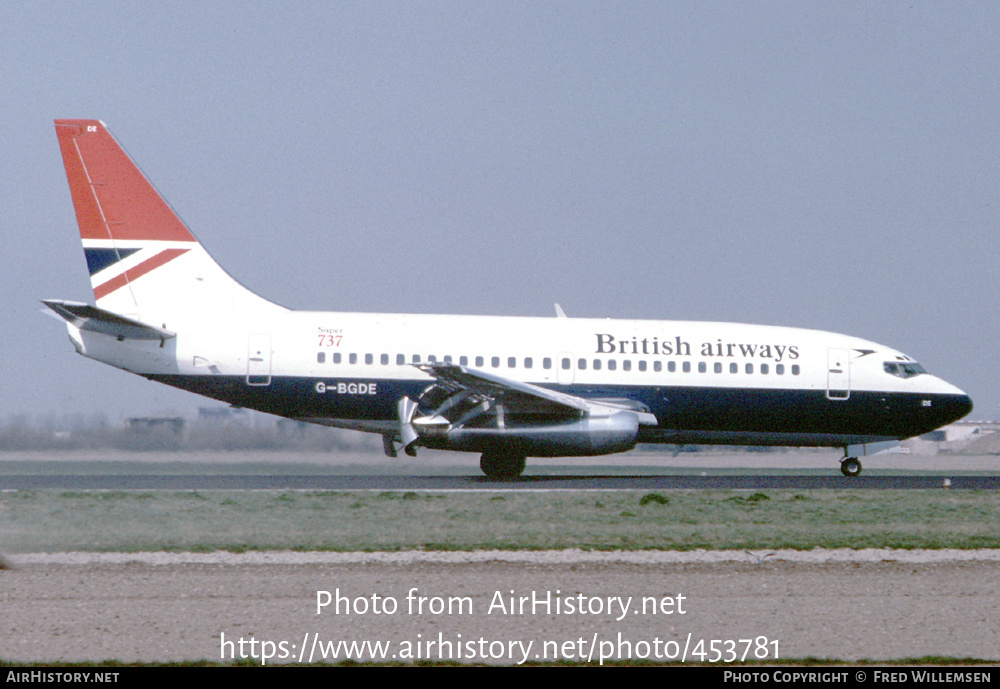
170, 424
962, 437
222, 415
151, 433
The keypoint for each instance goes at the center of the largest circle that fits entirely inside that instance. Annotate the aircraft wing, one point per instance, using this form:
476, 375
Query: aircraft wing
517, 396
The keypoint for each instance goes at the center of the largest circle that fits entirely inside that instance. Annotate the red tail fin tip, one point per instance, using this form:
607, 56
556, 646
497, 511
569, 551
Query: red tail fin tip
113, 199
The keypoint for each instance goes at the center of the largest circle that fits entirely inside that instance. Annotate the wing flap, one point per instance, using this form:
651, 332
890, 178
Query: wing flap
519, 395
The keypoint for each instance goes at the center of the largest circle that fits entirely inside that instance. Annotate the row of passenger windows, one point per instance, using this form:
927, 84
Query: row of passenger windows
566, 363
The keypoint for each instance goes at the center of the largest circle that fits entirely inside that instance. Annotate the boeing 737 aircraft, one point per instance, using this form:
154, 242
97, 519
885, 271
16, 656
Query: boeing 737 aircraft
508, 388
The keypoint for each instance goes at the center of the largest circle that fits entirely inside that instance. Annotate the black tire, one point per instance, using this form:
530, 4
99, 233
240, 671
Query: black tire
501, 466
850, 467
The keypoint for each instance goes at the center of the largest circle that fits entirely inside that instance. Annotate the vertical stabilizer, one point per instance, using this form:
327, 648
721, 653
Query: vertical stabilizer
144, 263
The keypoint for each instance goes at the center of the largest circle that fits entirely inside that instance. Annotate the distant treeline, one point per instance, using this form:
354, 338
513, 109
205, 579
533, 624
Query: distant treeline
158, 434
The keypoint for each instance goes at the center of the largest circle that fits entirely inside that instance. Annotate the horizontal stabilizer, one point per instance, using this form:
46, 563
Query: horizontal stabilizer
97, 320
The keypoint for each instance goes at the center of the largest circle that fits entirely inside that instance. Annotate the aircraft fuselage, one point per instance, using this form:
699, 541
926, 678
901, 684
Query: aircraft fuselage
509, 388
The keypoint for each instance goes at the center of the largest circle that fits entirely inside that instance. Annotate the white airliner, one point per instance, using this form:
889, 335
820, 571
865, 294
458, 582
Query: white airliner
508, 388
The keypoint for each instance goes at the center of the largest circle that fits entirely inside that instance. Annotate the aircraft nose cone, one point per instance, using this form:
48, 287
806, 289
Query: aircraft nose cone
961, 406
952, 404
952, 408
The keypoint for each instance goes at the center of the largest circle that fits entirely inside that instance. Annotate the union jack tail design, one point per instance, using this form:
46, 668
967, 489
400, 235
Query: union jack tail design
144, 262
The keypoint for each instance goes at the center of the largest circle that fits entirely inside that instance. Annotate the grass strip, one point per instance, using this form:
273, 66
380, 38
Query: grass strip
50, 520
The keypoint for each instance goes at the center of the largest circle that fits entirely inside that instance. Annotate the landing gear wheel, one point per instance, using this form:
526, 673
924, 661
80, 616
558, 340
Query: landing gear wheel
501, 466
850, 466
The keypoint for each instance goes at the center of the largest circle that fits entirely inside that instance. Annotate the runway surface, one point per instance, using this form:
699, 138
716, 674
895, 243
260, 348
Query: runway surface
479, 483
445, 471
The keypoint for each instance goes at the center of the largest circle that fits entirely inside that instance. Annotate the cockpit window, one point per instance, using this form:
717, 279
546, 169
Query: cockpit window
903, 369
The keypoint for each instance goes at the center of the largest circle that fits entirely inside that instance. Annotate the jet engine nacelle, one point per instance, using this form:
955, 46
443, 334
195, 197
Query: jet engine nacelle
591, 435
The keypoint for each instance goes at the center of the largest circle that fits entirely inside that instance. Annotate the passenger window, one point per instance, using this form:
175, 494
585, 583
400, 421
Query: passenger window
369, 359
642, 365
671, 366
627, 365
463, 361
734, 368
432, 359
702, 367
795, 369
495, 362
612, 365
565, 364
480, 361
658, 366
416, 358
511, 362
764, 369
384, 359
527, 362
321, 357
686, 366
597, 364
718, 367
353, 358
336, 358
547, 363
749, 368
780, 369
400, 359
447, 358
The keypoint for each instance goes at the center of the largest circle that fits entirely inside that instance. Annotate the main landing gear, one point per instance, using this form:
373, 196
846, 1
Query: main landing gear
500, 466
850, 466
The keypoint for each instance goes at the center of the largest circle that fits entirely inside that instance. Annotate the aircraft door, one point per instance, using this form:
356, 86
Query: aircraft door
838, 377
259, 360
565, 368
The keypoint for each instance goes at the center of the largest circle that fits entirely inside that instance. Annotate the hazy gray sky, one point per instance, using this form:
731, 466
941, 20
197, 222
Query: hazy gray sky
823, 165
